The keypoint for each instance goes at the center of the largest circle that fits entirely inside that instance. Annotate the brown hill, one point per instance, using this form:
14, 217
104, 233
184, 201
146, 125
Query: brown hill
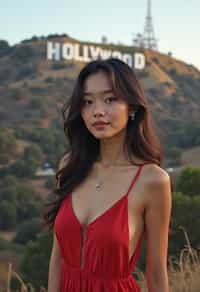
33, 89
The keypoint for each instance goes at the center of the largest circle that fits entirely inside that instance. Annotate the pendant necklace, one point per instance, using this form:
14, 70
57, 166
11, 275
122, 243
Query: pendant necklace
100, 182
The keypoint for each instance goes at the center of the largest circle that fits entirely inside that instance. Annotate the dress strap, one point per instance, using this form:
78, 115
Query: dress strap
135, 177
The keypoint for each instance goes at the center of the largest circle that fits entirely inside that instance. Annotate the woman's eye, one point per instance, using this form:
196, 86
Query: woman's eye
86, 101
111, 98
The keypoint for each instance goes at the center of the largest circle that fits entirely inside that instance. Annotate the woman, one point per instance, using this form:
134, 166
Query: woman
112, 192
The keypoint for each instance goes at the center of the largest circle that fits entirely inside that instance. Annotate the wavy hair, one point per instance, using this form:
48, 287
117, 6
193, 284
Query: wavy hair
83, 148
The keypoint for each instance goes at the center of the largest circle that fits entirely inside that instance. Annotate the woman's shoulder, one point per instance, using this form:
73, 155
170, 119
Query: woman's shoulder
157, 181
155, 173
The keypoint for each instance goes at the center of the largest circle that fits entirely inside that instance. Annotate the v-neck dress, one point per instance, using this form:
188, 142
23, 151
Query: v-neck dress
96, 255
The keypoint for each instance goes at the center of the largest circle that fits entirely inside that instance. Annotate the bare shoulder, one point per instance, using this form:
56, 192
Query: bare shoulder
157, 184
155, 174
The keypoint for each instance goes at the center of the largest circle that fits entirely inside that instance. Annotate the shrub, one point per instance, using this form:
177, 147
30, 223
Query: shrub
16, 94
24, 169
155, 60
58, 65
28, 231
189, 181
37, 90
28, 71
8, 215
4, 48
23, 53
37, 103
49, 79
173, 72
34, 265
33, 152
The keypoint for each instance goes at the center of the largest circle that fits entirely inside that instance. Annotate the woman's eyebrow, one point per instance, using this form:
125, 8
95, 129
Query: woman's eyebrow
86, 93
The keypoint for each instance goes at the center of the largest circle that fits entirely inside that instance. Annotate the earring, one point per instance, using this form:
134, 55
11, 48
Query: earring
132, 116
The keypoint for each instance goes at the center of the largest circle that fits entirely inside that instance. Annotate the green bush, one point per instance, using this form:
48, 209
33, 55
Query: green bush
8, 193
155, 60
35, 263
16, 94
33, 152
174, 155
185, 213
24, 168
20, 133
4, 48
28, 203
27, 231
18, 202
28, 71
4, 158
8, 143
58, 65
49, 79
188, 181
37, 103
23, 53
172, 72
8, 215
36, 90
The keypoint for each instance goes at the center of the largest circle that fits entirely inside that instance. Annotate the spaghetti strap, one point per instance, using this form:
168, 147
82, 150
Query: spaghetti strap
135, 178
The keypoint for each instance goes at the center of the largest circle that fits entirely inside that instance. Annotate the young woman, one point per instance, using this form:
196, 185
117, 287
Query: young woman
112, 192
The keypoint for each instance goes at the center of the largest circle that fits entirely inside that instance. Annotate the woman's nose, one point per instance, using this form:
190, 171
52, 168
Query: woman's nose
99, 109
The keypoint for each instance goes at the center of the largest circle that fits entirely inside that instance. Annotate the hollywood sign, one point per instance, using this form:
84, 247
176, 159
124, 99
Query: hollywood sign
86, 53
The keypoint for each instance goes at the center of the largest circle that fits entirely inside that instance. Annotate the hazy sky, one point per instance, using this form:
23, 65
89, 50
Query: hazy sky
176, 22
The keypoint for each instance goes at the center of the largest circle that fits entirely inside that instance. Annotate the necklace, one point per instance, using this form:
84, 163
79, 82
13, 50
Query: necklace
100, 183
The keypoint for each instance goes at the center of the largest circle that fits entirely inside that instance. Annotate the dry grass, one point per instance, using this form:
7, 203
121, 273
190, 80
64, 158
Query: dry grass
24, 287
183, 273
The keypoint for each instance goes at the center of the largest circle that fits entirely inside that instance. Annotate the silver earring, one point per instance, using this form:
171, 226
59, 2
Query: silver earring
132, 116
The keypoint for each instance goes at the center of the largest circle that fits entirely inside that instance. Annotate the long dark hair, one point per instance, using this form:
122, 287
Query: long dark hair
83, 148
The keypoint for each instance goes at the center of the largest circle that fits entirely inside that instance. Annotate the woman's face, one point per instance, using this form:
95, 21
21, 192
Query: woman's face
100, 104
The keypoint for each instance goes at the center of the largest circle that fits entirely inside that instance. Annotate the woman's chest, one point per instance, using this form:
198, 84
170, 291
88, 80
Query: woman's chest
91, 206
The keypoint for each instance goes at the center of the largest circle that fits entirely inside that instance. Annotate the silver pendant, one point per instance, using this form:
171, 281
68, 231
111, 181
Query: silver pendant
98, 185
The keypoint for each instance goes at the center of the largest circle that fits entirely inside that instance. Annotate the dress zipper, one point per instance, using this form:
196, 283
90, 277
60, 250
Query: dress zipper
83, 239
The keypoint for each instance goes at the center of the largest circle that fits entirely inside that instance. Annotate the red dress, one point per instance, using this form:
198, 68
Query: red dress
102, 247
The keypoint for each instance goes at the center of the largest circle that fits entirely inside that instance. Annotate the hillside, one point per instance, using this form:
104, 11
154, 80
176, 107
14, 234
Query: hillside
33, 89
26, 76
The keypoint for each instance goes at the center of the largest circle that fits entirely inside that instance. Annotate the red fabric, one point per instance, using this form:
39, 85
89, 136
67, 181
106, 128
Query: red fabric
106, 266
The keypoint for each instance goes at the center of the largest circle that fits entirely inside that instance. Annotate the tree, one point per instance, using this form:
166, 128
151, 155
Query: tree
28, 231
9, 193
33, 152
35, 263
8, 143
185, 213
8, 215
4, 47
189, 181
28, 203
173, 155
37, 103
24, 168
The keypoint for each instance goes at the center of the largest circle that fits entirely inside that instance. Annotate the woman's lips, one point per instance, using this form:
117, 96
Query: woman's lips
100, 125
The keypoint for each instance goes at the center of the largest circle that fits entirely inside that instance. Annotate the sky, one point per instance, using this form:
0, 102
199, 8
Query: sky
176, 22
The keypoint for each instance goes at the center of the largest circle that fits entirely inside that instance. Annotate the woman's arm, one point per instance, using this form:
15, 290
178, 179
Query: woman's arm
157, 219
55, 267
